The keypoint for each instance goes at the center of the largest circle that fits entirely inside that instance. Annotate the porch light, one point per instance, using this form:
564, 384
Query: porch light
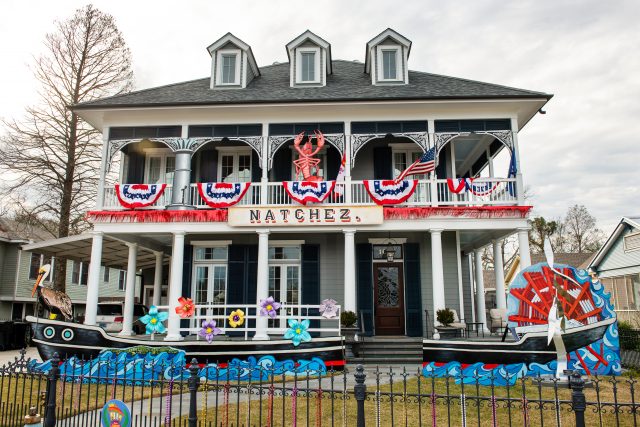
389, 251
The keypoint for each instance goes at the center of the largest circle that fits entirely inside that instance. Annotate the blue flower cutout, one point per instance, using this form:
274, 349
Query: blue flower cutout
153, 321
297, 331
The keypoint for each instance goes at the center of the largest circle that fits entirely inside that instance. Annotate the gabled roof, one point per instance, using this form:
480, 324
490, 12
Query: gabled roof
574, 259
388, 33
347, 84
632, 221
308, 35
230, 38
18, 232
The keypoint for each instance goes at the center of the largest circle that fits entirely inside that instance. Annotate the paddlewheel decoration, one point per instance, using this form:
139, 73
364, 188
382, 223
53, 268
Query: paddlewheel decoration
536, 299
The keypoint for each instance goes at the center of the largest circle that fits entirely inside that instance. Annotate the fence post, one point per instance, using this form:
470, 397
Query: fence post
194, 382
360, 393
52, 379
578, 399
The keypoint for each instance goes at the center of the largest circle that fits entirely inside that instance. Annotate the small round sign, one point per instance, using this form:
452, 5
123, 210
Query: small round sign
115, 414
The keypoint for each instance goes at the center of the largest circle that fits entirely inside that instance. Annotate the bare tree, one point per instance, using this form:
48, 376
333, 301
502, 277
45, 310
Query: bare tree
540, 230
581, 230
51, 153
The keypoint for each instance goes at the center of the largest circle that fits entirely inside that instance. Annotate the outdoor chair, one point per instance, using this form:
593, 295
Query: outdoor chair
457, 323
497, 319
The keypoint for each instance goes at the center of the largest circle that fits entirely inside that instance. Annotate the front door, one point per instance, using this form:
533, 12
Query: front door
389, 298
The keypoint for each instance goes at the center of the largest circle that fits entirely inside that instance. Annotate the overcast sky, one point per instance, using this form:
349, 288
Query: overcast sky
587, 53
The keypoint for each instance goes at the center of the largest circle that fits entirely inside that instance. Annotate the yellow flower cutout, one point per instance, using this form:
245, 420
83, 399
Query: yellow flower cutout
236, 318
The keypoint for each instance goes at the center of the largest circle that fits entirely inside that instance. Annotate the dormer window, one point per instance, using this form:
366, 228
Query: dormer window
386, 58
232, 63
228, 67
309, 60
309, 65
390, 65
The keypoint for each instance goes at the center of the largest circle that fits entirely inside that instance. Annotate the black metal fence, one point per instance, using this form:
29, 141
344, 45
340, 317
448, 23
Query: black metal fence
366, 396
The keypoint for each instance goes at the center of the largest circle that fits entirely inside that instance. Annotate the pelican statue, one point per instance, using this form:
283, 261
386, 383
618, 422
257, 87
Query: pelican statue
50, 297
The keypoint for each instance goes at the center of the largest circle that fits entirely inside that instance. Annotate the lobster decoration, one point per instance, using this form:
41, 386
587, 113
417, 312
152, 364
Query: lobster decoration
307, 164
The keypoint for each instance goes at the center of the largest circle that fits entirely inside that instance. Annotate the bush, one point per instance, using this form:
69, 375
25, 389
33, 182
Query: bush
444, 316
629, 337
348, 319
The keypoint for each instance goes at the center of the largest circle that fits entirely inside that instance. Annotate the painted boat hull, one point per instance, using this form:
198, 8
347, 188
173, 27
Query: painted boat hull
86, 342
531, 348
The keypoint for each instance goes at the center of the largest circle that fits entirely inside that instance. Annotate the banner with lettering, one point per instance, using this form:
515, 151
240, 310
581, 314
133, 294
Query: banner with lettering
132, 196
305, 192
389, 192
222, 194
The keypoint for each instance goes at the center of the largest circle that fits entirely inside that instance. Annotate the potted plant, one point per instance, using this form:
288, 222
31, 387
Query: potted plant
348, 321
445, 318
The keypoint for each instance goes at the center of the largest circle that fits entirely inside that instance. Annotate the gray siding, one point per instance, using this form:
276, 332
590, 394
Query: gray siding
9, 261
467, 288
617, 262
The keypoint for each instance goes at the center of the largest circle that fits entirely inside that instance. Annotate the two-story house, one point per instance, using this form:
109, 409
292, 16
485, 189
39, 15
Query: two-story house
389, 263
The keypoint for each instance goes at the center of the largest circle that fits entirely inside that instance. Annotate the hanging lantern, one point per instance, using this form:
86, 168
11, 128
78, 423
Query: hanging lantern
389, 251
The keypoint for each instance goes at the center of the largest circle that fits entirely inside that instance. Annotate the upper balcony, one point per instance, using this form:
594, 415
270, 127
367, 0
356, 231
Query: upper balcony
373, 150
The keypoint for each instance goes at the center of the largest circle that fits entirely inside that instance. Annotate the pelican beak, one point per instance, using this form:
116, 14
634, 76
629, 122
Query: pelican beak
38, 280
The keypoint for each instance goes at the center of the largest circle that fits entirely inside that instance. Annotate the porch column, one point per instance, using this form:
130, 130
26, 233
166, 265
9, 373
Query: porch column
175, 286
93, 281
437, 273
157, 278
262, 288
181, 181
523, 243
481, 314
348, 162
130, 290
498, 267
349, 270
264, 180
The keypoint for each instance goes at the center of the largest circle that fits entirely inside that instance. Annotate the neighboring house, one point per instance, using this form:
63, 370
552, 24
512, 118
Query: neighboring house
19, 270
238, 124
617, 264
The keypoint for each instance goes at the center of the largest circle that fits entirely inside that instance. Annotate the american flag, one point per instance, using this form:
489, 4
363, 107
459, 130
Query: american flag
425, 164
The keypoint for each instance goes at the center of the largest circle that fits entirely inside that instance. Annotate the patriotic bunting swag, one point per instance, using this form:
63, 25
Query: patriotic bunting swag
458, 185
222, 194
132, 196
389, 192
308, 191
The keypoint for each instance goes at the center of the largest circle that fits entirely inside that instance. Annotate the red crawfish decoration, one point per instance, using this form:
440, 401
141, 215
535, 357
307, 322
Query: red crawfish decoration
306, 164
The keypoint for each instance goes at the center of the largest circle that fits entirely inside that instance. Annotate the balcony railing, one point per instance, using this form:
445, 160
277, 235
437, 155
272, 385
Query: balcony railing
428, 193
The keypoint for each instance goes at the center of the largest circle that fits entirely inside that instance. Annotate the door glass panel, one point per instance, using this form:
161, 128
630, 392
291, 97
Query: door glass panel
293, 284
399, 163
202, 284
154, 169
388, 287
244, 168
275, 276
219, 287
226, 168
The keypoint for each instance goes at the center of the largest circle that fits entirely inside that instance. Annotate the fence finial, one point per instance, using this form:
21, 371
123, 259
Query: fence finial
578, 400
360, 392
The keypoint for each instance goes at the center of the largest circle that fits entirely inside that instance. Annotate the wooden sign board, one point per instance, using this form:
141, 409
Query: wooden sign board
304, 215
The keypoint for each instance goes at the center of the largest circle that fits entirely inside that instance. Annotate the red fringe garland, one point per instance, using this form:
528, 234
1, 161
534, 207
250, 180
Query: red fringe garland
458, 211
208, 215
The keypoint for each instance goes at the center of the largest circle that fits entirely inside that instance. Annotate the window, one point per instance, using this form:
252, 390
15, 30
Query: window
632, 242
308, 66
404, 158
389, 67
235, 166
75, 272
122, 280
229, 68
34, 265
84, 273
284, 278
106, 274
210, 278
160, 167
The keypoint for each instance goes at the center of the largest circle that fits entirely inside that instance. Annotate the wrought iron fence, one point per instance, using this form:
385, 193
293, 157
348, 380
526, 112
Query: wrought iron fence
193, 395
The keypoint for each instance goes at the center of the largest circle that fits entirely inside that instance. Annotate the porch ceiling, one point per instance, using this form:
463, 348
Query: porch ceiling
115, 251
475, 239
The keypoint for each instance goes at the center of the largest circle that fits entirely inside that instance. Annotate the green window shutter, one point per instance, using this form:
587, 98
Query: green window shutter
382, 163
310, 284
364, 261
135, 168
187, 263
412, 289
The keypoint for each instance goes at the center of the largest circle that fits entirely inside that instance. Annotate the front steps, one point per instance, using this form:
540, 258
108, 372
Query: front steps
387, 350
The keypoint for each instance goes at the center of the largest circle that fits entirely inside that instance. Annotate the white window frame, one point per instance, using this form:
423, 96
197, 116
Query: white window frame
163, 154
408, 150
212, 264
51, 270
380, 63
624, 242
235, 152
316, 65
122, 280
283, 264
219, 56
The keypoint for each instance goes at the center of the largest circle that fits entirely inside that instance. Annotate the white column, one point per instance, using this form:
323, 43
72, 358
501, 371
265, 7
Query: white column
490, 161
498, 267
130, 291
523, 243
437, 273
157, 278
93, 281
460, 287
472, 287
264, 180
175, 286
104, 161
481, 313
349, 270
262, 288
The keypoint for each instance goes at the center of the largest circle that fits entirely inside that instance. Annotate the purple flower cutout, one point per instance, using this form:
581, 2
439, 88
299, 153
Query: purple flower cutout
268, 307
209, 330
329, 308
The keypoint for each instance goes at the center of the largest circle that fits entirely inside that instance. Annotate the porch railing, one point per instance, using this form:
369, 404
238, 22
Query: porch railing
276, 326
428, 193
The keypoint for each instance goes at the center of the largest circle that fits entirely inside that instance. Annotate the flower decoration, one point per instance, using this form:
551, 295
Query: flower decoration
268, 307
297, 331
209, 330
236, 318
329, 308
186, 308
153, 321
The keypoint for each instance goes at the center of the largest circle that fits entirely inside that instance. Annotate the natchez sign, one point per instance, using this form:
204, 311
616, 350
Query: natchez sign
304, 215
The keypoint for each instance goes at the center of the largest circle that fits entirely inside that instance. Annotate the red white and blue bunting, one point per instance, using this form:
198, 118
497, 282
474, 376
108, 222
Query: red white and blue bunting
308, 191
389, 192
132, 196
222, 194
457, 185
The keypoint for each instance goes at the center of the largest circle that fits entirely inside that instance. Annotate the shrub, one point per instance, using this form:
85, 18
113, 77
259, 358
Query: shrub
444, 316
629, 337
348, 319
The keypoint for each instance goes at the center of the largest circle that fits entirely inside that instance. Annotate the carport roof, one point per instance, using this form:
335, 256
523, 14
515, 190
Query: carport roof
115, 251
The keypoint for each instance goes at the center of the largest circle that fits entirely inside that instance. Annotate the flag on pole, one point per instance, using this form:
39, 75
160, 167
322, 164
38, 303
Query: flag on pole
339, 188
425, 164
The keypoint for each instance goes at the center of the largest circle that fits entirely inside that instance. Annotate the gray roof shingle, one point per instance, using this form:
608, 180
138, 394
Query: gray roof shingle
347, 83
